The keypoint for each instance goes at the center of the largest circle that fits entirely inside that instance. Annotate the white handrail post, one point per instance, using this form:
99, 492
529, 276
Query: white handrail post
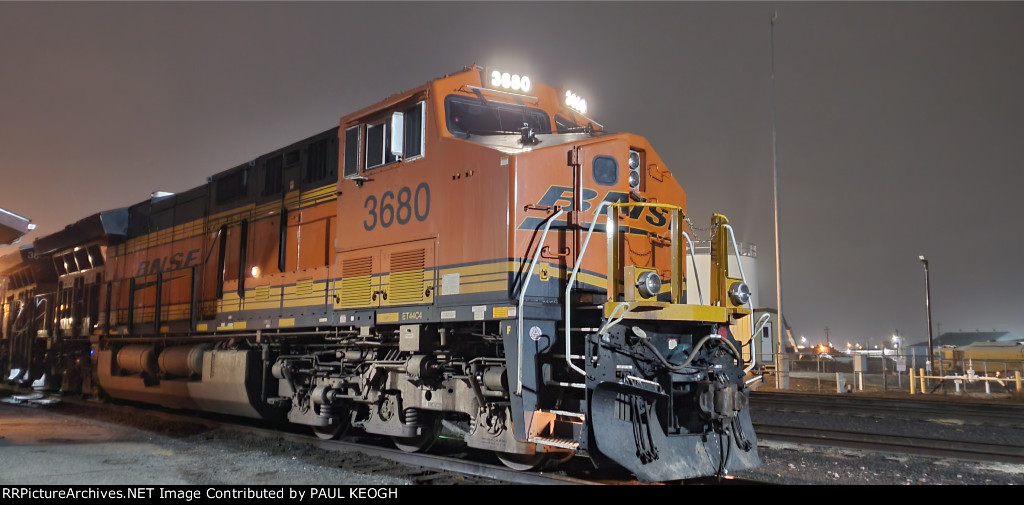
522, 297
572, 280
743, 277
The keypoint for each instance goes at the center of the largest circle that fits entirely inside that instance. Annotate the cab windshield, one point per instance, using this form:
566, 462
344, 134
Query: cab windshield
468, 116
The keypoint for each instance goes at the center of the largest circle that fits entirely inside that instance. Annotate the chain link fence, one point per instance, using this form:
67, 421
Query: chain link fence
892, 372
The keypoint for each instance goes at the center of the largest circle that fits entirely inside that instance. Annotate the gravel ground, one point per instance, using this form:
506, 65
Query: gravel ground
55, 445
785, 463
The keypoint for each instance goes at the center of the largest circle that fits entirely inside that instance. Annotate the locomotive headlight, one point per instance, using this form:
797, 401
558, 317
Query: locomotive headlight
634, 180
634, 170
648, 284
255, 272
739, 293
575, 102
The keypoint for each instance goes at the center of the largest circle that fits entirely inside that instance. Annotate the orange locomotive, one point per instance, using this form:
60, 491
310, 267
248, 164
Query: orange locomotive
474, 255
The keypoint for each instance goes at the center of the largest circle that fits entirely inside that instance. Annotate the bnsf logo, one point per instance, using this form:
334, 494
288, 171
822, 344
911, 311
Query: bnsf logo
562, 196
172, 262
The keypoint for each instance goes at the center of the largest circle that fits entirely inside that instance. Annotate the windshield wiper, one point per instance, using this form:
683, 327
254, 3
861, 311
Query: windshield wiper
578, 129
527, 134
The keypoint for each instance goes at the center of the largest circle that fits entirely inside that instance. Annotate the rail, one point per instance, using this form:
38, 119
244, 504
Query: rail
612, 226
693, 261
611, 231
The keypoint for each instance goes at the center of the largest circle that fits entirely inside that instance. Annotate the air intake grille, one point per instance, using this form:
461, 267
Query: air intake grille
406, 284
355, 282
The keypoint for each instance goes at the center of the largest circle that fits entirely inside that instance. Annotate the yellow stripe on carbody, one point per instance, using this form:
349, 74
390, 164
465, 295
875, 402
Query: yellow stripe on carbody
481, 278
387, 317
212, 223
664, 311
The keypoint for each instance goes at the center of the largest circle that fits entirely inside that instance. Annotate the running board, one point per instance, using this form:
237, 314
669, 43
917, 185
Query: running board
562, 443
550, 427
566, 413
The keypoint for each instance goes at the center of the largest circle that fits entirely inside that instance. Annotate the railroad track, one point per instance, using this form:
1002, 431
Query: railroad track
447, 466
901, 444
449, 462
972, 412
969, 430
428, 468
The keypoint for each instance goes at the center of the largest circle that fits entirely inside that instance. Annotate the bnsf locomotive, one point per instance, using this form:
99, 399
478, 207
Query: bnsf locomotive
475, 255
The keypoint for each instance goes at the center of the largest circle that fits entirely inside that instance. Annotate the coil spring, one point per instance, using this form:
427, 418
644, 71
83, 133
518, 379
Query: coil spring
412, 416
326, 410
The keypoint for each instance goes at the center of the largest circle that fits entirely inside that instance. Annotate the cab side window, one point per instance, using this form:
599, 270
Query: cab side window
414, 131
352, 137
398, 136
378, 144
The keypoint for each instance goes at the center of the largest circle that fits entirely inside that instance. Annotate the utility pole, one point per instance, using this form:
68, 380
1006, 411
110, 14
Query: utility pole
928, 308
781, 331
827, 341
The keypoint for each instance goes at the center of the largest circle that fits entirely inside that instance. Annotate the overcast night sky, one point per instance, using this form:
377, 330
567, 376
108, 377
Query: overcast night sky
900, 125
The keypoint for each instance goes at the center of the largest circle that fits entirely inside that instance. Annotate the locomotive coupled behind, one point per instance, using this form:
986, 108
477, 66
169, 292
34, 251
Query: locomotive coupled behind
475, 255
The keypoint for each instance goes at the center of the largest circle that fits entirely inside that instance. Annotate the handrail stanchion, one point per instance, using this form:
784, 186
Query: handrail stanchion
572, 280
743, 277
696, 274
522, 298
678, 262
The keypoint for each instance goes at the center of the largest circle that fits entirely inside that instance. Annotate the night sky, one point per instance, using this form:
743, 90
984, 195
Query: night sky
900, 125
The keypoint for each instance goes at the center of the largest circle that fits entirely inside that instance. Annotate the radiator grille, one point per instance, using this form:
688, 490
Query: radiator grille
355, 282
406, 283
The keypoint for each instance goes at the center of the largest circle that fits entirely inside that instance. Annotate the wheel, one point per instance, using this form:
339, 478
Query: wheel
336, 430
556, 458
522, 462
422, 442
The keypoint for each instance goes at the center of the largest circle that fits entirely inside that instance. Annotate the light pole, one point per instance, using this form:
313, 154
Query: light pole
928, 308
781, 331
896, 356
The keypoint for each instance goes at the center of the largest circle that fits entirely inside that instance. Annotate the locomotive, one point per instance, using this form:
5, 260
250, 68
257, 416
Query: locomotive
475, 255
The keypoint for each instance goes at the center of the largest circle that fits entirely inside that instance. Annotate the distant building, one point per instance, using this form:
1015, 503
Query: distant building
700, 293
961, 339
766, 338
